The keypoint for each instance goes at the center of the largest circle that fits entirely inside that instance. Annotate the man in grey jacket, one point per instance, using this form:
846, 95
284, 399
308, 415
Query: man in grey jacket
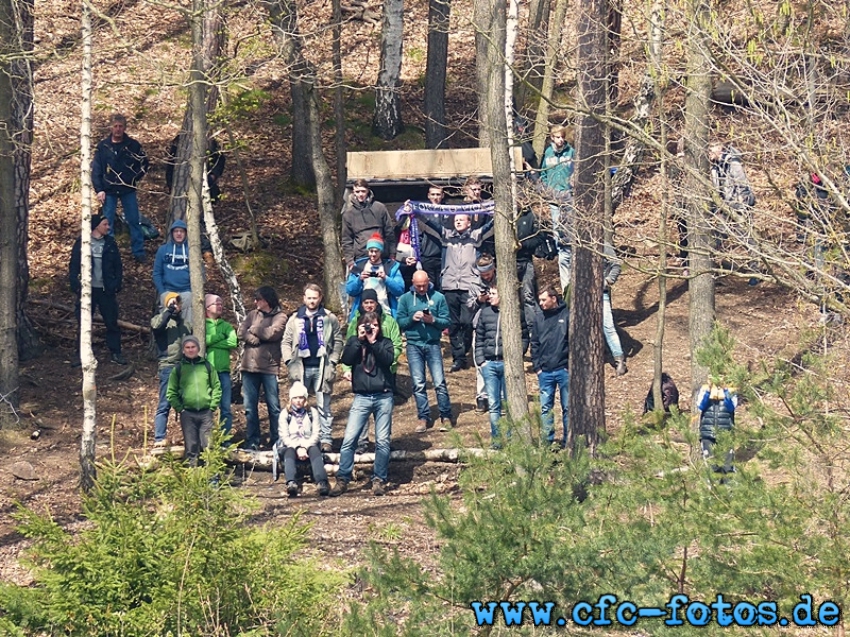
461, 250
311, 347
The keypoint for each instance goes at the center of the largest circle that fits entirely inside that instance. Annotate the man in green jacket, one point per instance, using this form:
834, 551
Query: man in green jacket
221, 340
194, 392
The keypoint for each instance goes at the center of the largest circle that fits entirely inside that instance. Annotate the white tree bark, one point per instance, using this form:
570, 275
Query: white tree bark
87, 449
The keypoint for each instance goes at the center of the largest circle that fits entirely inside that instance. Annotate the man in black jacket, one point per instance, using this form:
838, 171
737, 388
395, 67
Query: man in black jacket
118, 166
106, 280
550, 350
370, 355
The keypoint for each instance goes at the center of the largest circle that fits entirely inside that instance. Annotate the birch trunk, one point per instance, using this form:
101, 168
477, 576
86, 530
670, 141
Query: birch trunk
387, 122
88, 469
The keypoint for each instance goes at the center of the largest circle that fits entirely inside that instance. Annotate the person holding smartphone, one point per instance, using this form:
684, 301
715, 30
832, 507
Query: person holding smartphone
423, 314
373, 272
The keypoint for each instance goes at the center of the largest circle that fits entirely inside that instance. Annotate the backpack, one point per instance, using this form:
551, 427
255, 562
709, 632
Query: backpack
669, 395
179, 366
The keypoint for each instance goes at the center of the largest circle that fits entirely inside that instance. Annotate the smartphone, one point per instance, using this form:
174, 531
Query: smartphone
426, 311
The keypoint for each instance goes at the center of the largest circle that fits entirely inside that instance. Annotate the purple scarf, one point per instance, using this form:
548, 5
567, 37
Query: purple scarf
413, 208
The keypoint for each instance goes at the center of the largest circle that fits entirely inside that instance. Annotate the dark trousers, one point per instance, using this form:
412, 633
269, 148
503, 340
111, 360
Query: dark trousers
317, 464
460, 330
431, 266
528, 293
108, 305
197, 427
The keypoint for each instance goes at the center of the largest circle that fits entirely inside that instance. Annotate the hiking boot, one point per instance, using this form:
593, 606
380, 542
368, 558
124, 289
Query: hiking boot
423, 426
482, 405
118, 358
323, 488
327, 447
340, 487
621, 365
446, 424
292, 488
379, 487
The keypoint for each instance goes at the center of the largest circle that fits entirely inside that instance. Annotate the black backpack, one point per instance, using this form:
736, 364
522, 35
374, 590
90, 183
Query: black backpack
669, 395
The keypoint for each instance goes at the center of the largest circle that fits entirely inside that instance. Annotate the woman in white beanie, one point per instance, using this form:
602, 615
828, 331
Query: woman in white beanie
299, 435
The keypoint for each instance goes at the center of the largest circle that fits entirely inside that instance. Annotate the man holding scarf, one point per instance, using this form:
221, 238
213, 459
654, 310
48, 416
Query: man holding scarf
311, 347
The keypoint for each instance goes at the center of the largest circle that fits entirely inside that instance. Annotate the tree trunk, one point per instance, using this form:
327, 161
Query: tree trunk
88, 469
587, 388
22, 115
339, 110
301, 171
9, 394
536, 50
212, 40
387, 121
285, 17
553, 41
435, 73
197, 169
496, 93
696, 197
482, 19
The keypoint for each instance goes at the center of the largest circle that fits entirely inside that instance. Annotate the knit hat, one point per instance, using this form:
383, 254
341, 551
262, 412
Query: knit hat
298, 390
191, 339
375, 241
210, 299
170, 297
96, 220
369, 295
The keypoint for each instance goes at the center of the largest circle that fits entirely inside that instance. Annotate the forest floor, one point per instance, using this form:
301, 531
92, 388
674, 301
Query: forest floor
766, 320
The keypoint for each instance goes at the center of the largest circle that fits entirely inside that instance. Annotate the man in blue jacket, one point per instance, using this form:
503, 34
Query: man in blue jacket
171, 268
118, 166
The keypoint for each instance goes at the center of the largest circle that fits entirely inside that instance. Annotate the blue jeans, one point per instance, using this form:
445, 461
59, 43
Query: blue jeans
608, 327
381, 405
130, 206
251, 382
432, 355
494, 381
549, 382
160, 420
224, 414
313, 382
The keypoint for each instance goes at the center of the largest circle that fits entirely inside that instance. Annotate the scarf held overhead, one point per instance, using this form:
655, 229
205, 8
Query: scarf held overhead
412, 208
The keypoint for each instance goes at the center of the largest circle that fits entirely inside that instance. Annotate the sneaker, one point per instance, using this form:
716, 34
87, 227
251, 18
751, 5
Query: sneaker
482, 405
118, 358
340, 487
323, 488
446, 424
327, 447
423, 426
379, 487
621, 366
292, 488
160, 444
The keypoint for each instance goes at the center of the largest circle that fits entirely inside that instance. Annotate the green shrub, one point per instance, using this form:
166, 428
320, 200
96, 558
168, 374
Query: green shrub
168, 552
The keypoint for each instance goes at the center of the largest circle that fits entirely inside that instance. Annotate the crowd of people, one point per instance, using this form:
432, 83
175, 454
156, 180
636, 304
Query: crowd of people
411, 280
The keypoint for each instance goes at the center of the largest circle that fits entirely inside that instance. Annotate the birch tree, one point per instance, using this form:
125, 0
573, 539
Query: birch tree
89, 362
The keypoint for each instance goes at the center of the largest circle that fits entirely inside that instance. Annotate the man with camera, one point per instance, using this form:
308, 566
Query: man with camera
373, 272
169, 327
423, 314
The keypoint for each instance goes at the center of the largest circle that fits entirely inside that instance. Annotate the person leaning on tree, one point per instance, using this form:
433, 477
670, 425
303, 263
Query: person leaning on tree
169, 327
106, 280
118, 166
221, 340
